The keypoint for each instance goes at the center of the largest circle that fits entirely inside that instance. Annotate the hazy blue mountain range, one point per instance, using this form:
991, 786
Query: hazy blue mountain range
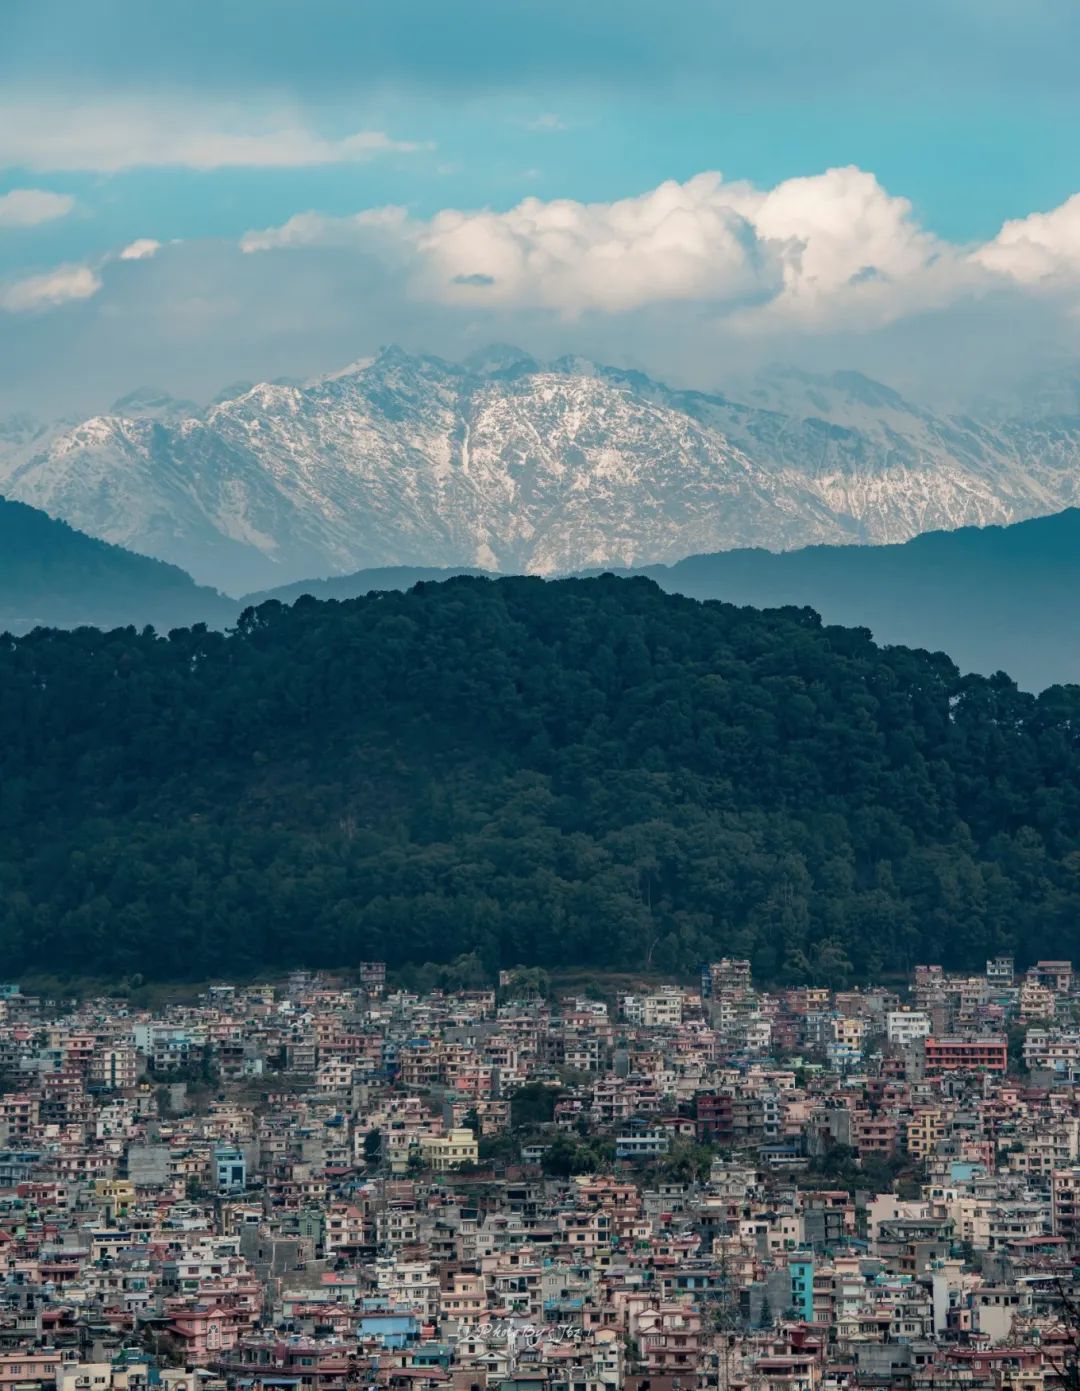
53, 576
503, 463
993, 598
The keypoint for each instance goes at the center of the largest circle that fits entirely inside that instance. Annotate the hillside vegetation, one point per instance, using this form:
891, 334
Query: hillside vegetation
996, 598
579, 772
54, 576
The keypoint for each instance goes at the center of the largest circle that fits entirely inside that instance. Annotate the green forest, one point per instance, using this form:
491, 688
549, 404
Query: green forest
586, 772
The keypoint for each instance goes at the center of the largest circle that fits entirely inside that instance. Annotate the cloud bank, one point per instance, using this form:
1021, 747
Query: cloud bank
693, 281
827, 251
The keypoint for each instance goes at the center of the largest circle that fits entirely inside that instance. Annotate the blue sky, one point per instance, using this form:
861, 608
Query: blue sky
182, 129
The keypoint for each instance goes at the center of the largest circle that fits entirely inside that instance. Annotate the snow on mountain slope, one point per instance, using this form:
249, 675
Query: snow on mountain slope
504, 463
23, 436
893, 468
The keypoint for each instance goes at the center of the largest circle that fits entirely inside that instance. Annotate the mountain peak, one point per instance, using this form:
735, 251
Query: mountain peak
394, 355
501, 360
574, 365
859, 387
847, 398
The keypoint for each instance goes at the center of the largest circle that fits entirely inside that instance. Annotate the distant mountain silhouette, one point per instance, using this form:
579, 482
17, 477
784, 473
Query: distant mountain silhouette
994, 598
52, 576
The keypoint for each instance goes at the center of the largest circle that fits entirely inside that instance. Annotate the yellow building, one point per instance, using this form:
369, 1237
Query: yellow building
116, 1195
449, 1151
925, 1131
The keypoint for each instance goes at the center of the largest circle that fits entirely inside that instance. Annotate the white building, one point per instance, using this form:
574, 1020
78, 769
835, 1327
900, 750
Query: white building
904, 1026
658, 1009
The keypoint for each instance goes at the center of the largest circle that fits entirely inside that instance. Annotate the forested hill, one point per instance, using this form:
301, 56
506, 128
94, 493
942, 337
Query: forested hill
587, 771
52, 575
361, 582
995, 597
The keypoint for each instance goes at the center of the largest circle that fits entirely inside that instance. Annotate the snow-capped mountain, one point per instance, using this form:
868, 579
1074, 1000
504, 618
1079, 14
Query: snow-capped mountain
509, 464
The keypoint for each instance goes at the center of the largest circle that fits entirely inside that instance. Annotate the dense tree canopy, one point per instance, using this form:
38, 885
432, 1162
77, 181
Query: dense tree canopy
587, 771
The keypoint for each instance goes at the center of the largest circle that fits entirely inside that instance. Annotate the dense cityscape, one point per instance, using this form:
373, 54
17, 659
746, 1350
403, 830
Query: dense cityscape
334, 1182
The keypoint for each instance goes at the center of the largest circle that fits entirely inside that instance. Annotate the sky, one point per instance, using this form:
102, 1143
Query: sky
233, 190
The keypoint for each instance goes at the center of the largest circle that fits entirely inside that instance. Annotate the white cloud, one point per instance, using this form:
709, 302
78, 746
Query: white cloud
810, 248
677, 242
830, 252
46, 291
843, 231
107, 137
141, 249
388, 227
680, 241
1040, 247
693, 282
29, 207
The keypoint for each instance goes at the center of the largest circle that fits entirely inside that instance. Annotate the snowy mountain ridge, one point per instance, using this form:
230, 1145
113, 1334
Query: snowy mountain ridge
509, 464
